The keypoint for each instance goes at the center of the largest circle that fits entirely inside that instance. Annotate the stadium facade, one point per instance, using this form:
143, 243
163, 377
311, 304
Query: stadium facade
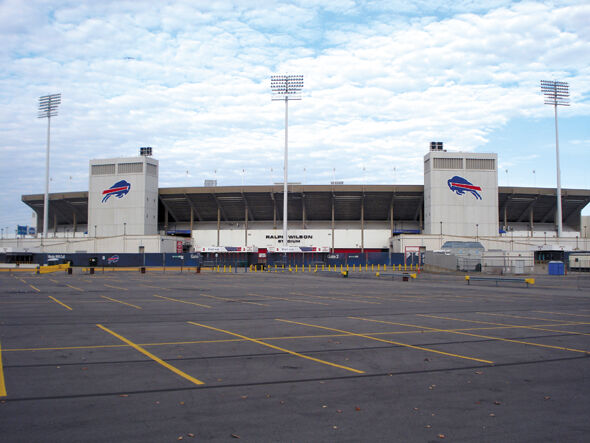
124, 210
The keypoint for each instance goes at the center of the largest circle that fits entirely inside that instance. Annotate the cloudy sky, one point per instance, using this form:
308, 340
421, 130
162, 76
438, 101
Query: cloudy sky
382, 79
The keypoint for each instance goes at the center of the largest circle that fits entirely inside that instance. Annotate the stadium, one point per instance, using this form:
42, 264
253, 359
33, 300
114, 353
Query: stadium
460, 203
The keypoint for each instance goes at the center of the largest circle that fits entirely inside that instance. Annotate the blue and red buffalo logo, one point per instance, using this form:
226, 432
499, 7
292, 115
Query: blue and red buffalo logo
113, 259
119, 190
459, 185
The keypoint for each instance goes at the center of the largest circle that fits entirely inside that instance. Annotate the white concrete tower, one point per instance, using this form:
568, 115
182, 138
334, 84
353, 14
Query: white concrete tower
123, 196
460, 193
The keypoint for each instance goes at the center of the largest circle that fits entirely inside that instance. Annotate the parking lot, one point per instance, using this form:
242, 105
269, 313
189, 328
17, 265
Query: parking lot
292, 357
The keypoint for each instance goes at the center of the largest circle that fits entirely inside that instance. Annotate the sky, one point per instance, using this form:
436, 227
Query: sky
382, 80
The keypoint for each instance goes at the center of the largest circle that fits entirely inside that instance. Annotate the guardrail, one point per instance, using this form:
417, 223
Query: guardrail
528, 281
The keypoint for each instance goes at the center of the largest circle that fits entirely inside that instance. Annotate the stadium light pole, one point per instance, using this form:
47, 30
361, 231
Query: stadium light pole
285, 88
556, 94
47, 108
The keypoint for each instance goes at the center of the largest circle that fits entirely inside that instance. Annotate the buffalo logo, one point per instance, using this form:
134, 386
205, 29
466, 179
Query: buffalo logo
459, 185
113, 259
119, 189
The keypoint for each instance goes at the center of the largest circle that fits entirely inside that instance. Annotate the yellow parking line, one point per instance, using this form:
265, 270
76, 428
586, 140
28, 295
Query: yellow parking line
253, 340
2, 384
57, 301
336, 298
153, 357
290, 299
74, 287
388, 341
233, 300
122, 302
155, 287
561, 348
552, 320
36, 289
535, 327
115, 287
562, 313
182, 301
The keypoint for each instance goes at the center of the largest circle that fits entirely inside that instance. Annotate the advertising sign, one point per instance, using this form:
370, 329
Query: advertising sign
179, 246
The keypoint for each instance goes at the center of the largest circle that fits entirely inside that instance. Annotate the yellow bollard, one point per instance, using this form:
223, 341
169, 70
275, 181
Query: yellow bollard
384, 268
360, 268
296, 268
372, 267
404, 266
290, 270
316, 268
322, 267
275, 268
230, 269
353, 267
224, 268
347, 268
378, 266
340, 268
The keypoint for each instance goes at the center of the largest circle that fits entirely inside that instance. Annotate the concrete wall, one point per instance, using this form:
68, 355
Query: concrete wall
455, 209
135, 211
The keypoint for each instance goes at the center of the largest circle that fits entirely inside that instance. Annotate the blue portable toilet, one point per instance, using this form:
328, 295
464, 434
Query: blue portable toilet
556, 268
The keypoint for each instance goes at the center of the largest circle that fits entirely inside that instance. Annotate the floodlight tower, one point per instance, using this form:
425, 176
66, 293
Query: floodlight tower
556, 94
47, 108
286, 87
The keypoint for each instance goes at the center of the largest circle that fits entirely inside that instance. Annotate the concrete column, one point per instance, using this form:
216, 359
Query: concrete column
165, 221
332, 226
192, 219
505, 218
218, 223
74, 226
391, 225
363, 225
274, 214
421, 222
54, 223
303, 213
246, 225
531, 221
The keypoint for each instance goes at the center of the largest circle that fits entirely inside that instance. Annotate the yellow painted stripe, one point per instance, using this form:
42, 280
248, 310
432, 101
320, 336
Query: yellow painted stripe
155, 287
122, 302
551, 320
563, 313
57, 301
536, 328
74, 287
290, 299
36, 289
116, 287
182, 301
336, 298
260, 342
153, 357
2, 384
231, 299
561, 348
389, 341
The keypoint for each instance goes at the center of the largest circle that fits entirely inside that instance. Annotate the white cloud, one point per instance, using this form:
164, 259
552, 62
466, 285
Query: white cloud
191, 79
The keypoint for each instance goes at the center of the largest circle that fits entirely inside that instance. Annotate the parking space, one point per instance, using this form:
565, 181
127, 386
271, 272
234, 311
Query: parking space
290, 357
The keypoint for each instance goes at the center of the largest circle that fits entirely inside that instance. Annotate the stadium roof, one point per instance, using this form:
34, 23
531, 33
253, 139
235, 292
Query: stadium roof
314, 203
